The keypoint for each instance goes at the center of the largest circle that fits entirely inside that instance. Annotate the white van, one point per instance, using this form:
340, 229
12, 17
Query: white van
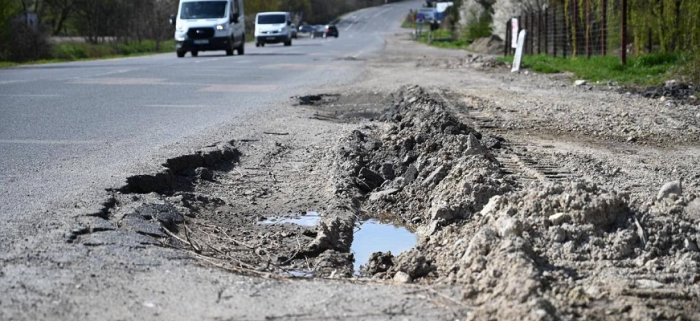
273, 27
202, 25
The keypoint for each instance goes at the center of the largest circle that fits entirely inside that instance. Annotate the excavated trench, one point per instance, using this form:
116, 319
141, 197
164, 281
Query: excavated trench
425, 190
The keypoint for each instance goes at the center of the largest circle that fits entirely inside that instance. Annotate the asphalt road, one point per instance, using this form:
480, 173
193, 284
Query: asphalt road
69, 131
75, 127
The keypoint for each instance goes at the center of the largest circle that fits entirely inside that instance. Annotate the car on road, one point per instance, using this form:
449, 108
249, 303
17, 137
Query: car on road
306, 29
273, 27
318, 31
202, 25
331, 31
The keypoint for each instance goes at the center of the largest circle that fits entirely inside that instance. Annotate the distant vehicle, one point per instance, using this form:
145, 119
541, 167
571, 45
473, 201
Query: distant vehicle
319, 31
203, 25
331, 31
273, 27
306, 29
293, 30
427, 14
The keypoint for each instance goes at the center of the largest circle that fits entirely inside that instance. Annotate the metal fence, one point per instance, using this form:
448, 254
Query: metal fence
574, 28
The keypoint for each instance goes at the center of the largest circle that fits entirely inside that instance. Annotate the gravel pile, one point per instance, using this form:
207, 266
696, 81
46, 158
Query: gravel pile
537, 251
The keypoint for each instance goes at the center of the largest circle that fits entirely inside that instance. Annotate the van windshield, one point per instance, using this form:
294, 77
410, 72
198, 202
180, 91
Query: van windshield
271, 19
203, 10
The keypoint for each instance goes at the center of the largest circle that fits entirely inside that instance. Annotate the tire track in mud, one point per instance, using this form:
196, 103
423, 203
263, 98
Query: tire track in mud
524, 161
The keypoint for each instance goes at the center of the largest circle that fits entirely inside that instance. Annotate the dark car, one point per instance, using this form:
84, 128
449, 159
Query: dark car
318, 31
331, 31
306, 29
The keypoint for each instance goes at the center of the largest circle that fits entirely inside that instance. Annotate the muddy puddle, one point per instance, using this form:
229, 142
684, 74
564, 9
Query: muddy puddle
375, 236
305, 219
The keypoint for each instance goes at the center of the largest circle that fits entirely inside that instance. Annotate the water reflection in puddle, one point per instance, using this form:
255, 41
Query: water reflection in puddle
308, 219
374, 236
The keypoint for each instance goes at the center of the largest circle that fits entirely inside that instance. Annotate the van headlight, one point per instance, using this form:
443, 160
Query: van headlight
221, 27
180, 29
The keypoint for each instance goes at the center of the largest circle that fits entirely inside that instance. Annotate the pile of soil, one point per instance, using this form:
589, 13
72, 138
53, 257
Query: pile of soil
545, 250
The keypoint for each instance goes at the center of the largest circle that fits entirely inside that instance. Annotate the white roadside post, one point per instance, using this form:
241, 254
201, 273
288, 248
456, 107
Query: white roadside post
519, 51
514, 32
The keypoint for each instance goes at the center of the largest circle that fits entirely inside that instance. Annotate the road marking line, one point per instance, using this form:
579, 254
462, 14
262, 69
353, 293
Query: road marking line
48, 142
118, 81
351, 24
28, 95
176, 106
379, 13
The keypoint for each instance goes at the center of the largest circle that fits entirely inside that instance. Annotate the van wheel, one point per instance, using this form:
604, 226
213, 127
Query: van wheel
241, 49
229, 50
257, 44
181, 53
195, 53
288, 43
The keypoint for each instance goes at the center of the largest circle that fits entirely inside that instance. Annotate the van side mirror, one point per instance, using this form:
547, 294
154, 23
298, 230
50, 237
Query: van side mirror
172, 19
289, 23
234, 18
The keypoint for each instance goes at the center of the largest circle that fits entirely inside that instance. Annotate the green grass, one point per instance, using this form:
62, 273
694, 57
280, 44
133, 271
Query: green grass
5, 64
73, 51
442, 39
643, 70
83, 51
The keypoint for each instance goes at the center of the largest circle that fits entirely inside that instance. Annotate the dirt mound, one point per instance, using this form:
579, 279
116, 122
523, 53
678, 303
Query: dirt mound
540, 251
492, 45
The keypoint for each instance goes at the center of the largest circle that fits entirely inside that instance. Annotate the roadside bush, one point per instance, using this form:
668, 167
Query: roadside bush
690, 66
479, 25
27, 44
657, 59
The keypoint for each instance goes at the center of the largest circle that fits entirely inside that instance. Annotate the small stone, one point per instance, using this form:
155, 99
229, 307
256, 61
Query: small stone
473, 146
648, 284
662, 99
378, 195
492, 205
669, 188
388, 171
559, 218
580, 82
402, 278
508, 226
441, 212
558, 235
410, 175
631, 139
436, 176
670, 83
690, 245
